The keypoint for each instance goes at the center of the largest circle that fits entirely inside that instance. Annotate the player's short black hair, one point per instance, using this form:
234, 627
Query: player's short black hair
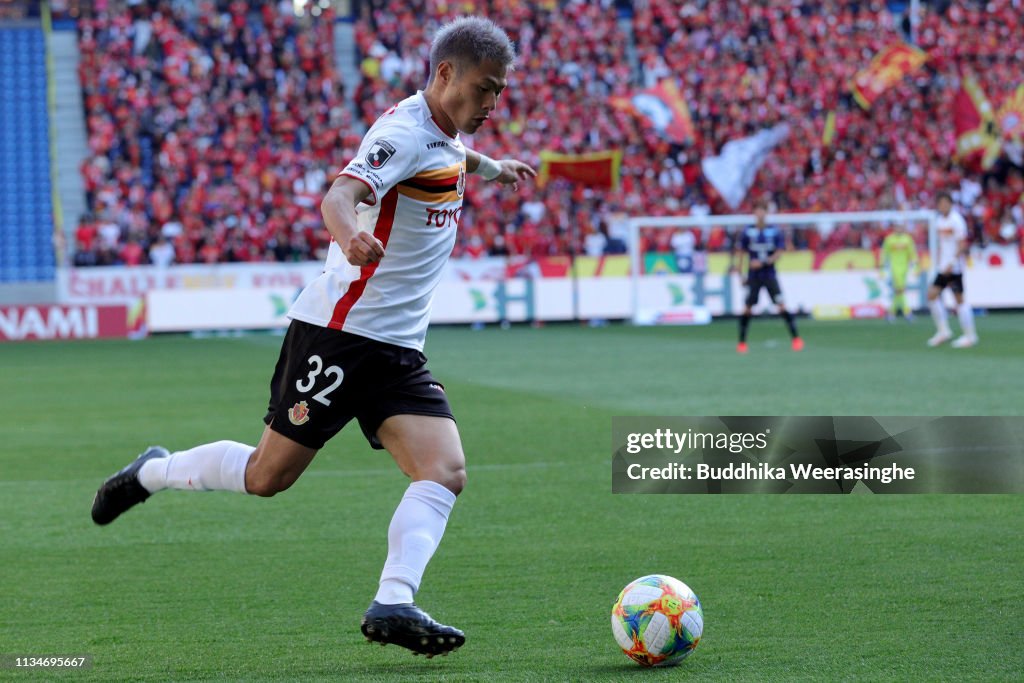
760, 204
944, 195
470, 40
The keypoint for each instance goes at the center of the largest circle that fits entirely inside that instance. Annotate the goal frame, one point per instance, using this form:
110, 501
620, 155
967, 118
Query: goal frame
706, 223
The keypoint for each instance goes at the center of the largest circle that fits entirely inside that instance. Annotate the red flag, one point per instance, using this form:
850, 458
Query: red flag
595, 169
665, 107
977, 136
888, 68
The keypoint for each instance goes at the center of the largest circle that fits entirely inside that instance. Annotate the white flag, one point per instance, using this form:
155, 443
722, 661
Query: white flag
733, 171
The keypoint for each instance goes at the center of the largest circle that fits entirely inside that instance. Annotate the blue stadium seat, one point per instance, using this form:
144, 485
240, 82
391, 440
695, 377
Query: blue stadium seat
26, 216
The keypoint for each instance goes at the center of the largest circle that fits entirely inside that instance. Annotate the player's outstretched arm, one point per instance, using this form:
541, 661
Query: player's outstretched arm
339, 211
505, 171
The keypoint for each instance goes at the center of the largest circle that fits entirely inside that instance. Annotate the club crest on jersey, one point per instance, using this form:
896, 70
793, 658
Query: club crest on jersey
298, 414
380, 152
460, 186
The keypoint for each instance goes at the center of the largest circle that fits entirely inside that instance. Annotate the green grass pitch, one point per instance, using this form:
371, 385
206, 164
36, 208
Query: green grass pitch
227, 587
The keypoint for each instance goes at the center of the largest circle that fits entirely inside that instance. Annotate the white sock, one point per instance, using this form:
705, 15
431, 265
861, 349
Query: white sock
966, 315
415, 531
939, 316
218, 466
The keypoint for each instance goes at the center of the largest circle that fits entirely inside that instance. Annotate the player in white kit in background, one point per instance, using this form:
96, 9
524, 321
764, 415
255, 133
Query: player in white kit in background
354, 347
950, 257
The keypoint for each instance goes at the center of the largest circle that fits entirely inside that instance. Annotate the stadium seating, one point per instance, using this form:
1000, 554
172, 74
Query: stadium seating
743, 66
233, 161
26, 214
216, 131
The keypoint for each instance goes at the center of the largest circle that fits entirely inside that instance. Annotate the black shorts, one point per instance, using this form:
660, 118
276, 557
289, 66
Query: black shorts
326, 377
954, 281
754, 285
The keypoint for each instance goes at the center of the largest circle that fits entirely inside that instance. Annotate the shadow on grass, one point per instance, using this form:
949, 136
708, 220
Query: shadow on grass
627, 670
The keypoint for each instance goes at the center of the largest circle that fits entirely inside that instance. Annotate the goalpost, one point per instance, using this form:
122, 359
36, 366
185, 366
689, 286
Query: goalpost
725, 294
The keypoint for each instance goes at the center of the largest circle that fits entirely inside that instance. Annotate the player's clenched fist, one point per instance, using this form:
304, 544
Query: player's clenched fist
363, 249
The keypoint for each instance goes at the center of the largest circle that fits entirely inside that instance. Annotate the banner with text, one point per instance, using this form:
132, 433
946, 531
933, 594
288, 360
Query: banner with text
839, 295
257, 296
124, 285
22, 323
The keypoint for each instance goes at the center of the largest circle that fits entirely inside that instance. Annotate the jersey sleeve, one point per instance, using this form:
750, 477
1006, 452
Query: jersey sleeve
386, 157
780, 240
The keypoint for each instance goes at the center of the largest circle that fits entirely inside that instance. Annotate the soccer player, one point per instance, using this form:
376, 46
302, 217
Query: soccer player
899, 255
763, 245
951, 252
354, 346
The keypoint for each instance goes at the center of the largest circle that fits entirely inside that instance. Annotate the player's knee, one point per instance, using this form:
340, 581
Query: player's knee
266, 484
262, 487
455, 480
451, 476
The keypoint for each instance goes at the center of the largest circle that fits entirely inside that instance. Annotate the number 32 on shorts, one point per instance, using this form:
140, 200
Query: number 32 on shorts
306, 385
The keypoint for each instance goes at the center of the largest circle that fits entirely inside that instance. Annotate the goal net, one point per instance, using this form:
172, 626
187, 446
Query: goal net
680, 266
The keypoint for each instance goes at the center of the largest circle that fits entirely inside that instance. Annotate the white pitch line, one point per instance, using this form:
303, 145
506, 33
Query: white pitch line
470, 467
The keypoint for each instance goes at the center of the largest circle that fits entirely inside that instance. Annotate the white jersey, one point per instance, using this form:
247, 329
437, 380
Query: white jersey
951, 230
416, 173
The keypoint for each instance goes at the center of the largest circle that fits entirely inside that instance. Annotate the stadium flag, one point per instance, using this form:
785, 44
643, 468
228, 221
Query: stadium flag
733, 171
828, 135
1011, 115
888, 68
977, 137
665, 107
595, 169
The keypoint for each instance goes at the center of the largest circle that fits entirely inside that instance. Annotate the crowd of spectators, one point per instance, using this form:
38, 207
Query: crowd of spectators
743, 66
214, 132
212, 128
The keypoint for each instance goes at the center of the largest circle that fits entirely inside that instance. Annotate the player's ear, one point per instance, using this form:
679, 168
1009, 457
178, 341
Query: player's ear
445, 73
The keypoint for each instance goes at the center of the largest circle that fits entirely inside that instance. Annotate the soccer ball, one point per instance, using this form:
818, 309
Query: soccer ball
657, 620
